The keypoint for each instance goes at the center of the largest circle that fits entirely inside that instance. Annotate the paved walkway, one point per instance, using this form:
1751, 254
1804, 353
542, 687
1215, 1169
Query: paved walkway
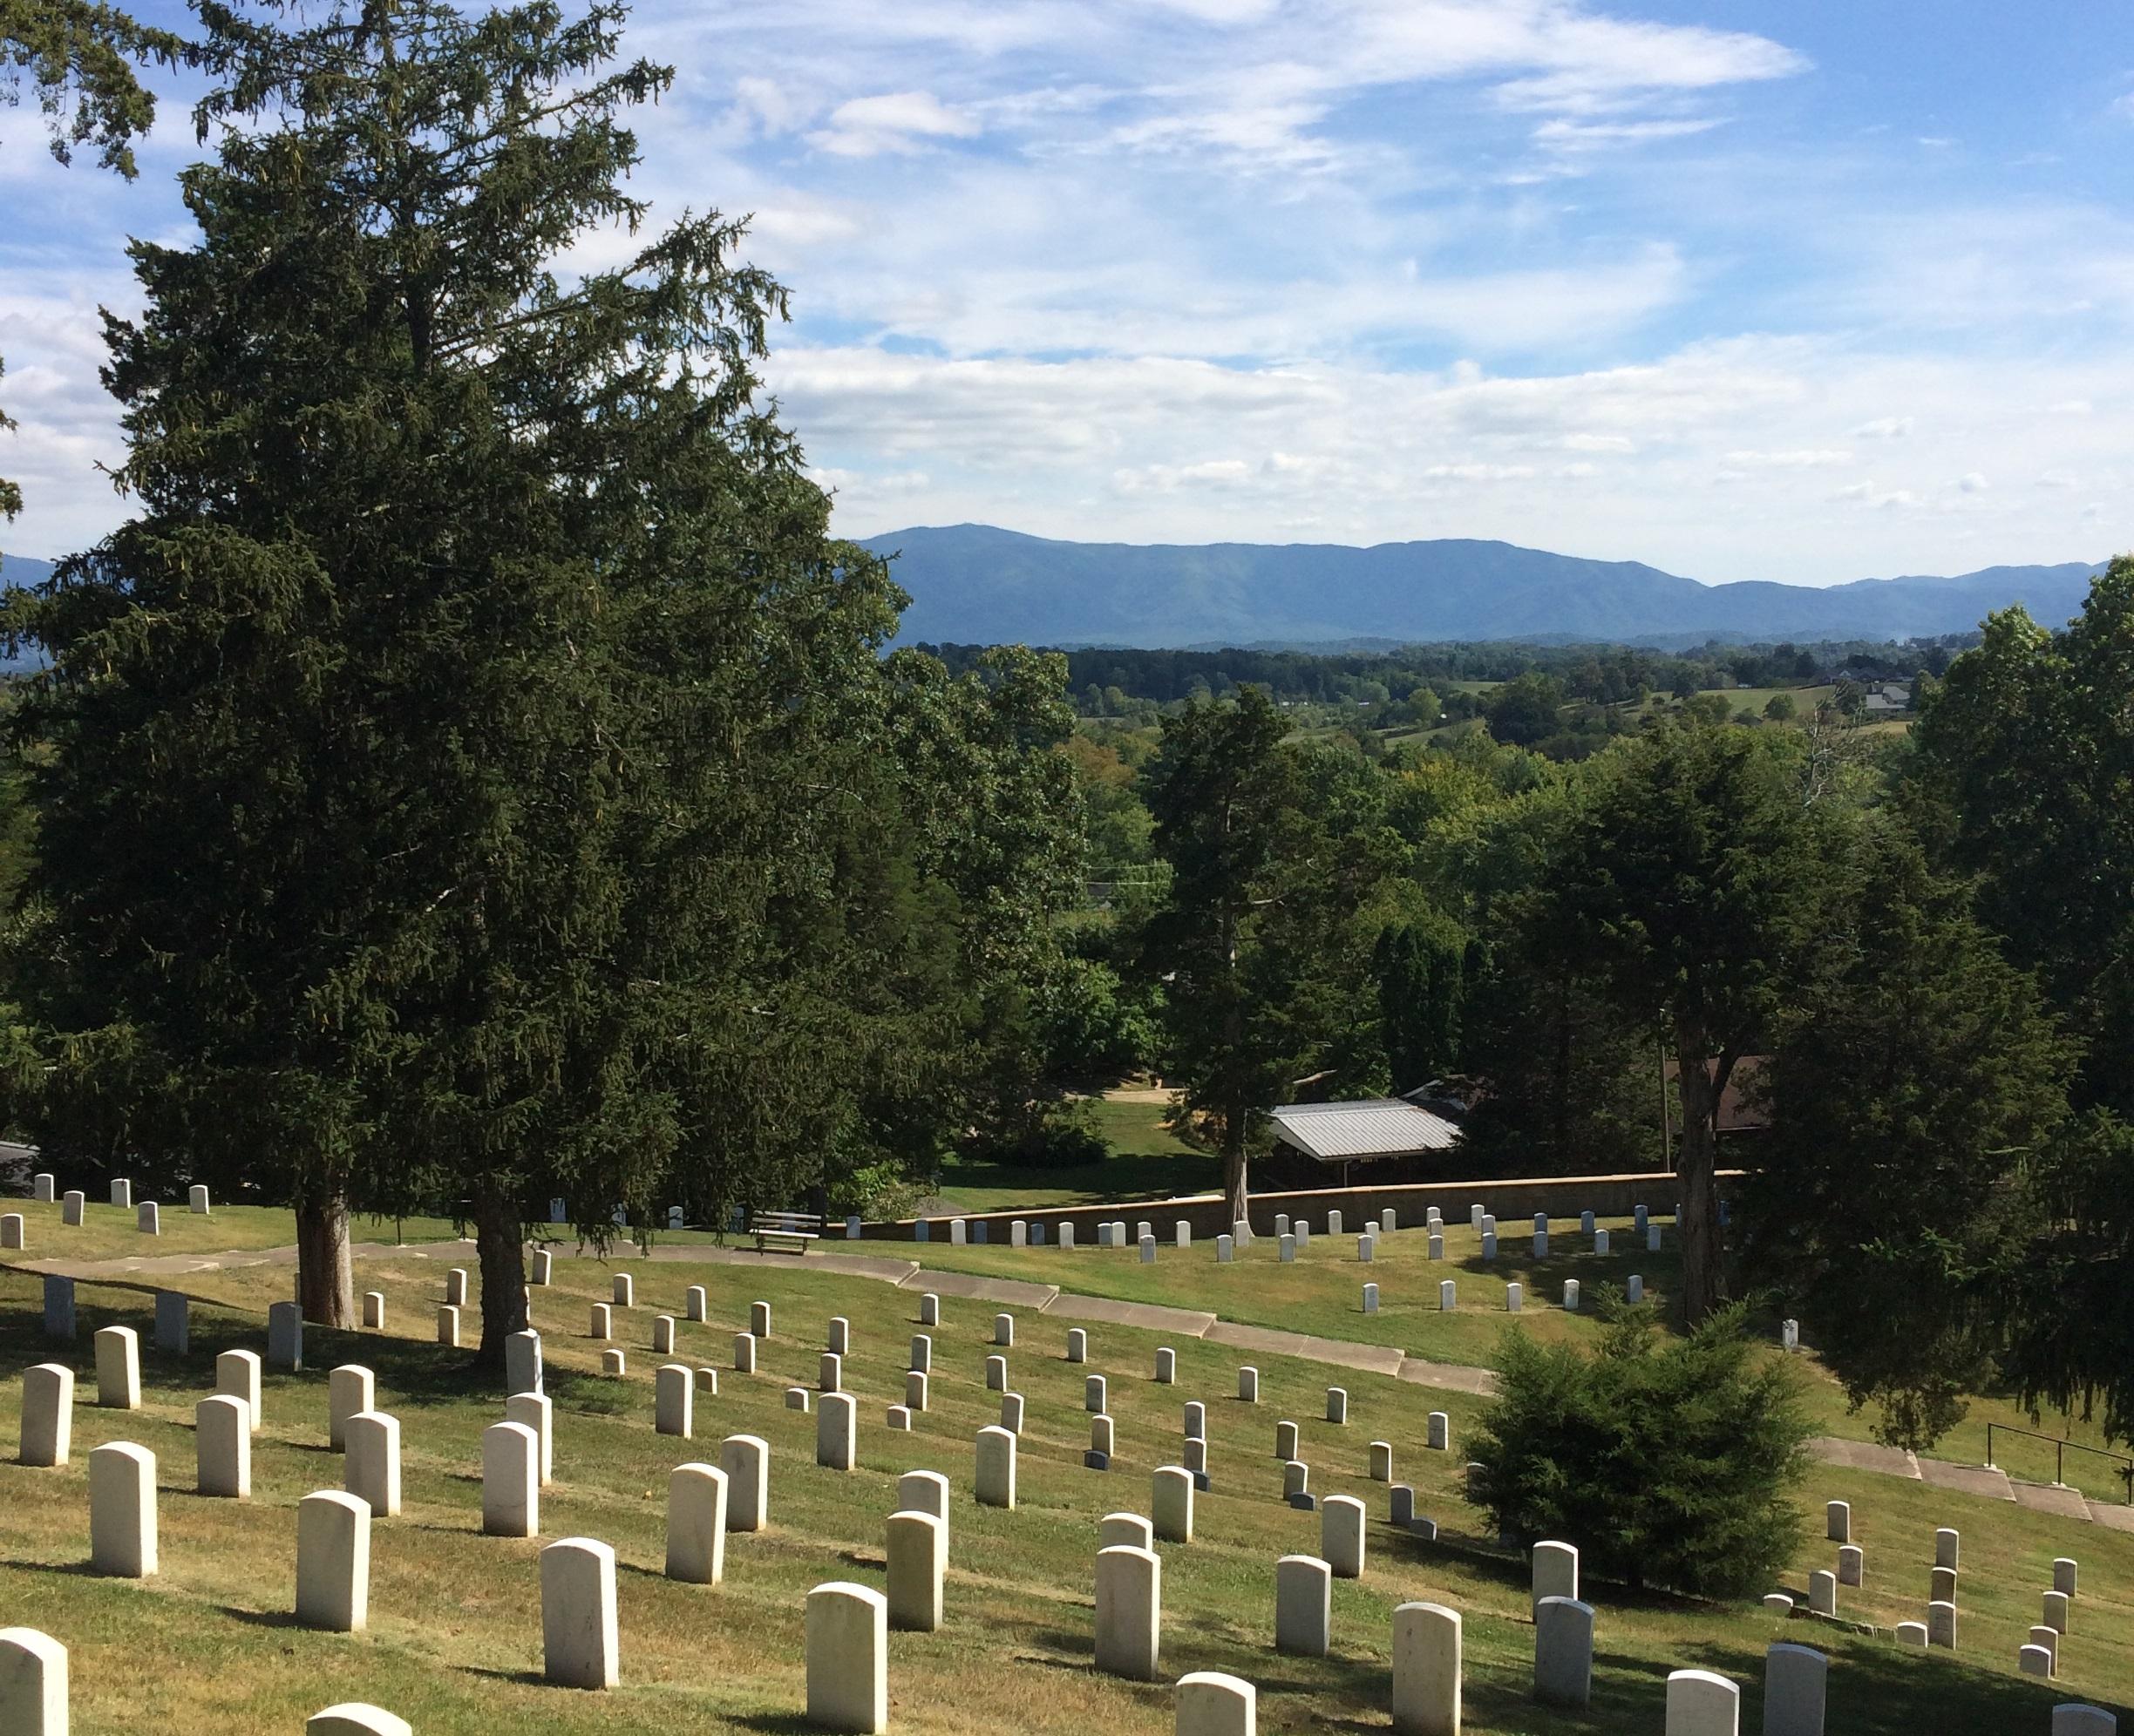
1981, 1480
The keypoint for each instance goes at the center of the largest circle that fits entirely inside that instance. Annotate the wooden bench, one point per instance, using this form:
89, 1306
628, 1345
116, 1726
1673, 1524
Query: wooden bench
785, 1232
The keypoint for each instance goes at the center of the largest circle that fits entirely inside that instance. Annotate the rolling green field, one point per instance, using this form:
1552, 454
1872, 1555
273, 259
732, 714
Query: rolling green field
1320, 1294
454, 1643
110, 1233
1147, 1163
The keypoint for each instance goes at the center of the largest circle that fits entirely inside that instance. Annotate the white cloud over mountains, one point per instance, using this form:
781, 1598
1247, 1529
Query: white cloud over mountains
1357, 270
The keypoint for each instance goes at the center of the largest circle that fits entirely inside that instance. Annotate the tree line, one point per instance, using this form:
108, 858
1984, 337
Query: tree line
475, 774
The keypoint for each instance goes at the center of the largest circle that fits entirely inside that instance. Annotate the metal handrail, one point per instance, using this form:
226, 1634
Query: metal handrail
2060, 1447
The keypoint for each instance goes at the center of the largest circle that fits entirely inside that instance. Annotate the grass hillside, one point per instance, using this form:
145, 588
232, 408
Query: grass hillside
453, 1645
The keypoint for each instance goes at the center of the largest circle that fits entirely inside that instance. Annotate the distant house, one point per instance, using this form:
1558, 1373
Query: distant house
1884, 698
1741, 1107
1365, 1130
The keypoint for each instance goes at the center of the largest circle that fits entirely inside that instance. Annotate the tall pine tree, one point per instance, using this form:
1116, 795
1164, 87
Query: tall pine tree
440, 760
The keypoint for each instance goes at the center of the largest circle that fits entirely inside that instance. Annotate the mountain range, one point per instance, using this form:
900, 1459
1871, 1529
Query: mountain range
974, 584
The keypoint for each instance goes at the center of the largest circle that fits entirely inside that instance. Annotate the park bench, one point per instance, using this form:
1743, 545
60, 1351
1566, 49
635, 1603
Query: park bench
786, 1232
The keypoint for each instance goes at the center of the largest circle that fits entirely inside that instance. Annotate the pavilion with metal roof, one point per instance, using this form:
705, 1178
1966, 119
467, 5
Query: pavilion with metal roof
1366, 1131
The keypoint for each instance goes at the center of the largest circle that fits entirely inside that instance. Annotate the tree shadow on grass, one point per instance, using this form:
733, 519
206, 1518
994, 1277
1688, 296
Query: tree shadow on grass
268, 1618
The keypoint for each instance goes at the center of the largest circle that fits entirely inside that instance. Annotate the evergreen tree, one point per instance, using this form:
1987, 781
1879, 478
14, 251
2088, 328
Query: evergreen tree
476, 676
1689, 882
1910, 1103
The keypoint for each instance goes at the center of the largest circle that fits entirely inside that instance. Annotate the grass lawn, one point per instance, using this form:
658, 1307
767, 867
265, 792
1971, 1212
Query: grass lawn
1322, 1294
1147, 1163
454, 1643
109, 1233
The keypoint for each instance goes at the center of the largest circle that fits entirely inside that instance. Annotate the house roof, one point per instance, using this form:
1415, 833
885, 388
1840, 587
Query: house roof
1375, 1127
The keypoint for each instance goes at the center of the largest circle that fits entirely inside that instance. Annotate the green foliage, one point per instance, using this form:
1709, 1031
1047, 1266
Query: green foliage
1689, 884
1523, 710
1781, 707
1909, 1100
1667, 1462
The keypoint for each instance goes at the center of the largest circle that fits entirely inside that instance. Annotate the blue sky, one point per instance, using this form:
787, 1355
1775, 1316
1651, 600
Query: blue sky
1805, 291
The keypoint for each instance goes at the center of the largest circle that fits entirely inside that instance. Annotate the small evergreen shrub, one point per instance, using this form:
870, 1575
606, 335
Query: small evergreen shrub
1669, 1462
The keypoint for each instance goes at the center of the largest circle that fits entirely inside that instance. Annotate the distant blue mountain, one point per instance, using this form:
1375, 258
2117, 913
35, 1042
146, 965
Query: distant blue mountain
19, 572
974, 584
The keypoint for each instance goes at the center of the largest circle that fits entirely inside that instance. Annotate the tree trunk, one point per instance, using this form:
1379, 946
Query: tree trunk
325, 1284
1703, 1084
1236, 1195
500, 1245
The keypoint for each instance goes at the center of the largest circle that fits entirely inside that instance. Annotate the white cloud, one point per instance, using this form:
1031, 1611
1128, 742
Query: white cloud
1799, 458
905, 121
1971, 483
1884, 428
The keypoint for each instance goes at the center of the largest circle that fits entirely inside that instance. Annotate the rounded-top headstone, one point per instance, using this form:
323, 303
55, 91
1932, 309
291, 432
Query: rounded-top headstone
33, 1683
580, 1648
1208, 1702
847, 1648
1700, 1703
746, 1461
1426, 1670
1563, 1651
354, 1719
1303, 1605
1129, 1612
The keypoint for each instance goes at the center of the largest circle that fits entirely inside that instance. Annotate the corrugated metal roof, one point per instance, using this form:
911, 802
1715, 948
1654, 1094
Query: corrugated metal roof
1375, 1127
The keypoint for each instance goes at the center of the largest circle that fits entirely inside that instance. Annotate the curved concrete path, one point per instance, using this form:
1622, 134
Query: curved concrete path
1984, 1481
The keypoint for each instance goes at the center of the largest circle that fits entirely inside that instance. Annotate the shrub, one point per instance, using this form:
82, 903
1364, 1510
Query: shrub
1668, 1462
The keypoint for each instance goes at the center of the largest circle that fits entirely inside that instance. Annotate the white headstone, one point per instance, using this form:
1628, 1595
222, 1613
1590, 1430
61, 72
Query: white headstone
1129, 1612
1555, 1571
1208, 1702
1823, 1592
1838, 1521
624, 1290
370, 1470
122, 1194
1942, 1624
1224, 1246
122, 1510
744, 1352
916, 1390
580, 1648
1003, 1330
2069, 1718
511, 1480
746, 1461
1166, 1365
1448, 1295
47, 1414
1285, 1440
117, 1365
848, 1658
2064, 1572
1851, 1565
996, 1374
237, 1373
1337, 1404
697, 1524
222, 1446
1700, 1703
70, 1208
918, 1561
996, 1468
535, 1410
41, 1187
759, 1319
1426, 1670
12, 1234
1440, 1434
350, 1389
837, 1432
925, 1492
1341, 1535
33, 1682
285, 1336
1948, 1544
1795, 1679
333, 1561
1304, 1606
1170, 1504
1563, 1651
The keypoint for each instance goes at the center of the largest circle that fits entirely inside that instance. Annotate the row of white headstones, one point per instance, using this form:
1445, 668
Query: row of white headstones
2039, 1656
519, 1451
73, 1206
847, 1625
